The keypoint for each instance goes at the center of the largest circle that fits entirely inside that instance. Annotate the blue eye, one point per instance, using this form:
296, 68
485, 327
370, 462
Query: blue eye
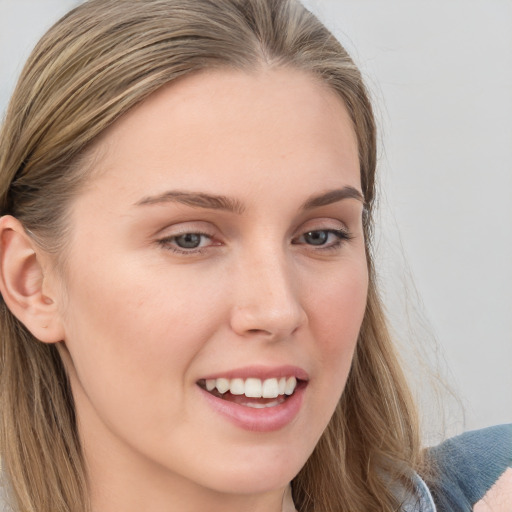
186, 243
188, 240
323, 238
316, 237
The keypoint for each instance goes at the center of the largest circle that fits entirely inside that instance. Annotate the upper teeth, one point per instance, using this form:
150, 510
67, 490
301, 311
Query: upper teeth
254, 388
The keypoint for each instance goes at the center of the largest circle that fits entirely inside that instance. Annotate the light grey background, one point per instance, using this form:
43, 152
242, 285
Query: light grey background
440, 73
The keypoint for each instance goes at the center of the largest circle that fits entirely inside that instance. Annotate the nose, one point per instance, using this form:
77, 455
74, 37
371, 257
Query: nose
266, 298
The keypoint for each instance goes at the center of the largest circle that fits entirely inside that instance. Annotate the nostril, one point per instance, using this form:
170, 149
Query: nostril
268, 316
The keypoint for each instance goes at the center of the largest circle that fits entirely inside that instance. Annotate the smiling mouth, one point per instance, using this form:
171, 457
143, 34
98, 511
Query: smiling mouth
252, 392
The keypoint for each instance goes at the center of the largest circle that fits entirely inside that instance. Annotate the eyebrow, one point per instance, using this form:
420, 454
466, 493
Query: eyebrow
333, 196
224, 203
196, 200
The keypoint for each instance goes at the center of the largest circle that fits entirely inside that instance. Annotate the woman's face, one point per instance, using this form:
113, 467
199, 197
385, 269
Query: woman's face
218, 243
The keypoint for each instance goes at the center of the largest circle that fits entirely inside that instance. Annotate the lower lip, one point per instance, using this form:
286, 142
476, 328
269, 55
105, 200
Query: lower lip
258, 420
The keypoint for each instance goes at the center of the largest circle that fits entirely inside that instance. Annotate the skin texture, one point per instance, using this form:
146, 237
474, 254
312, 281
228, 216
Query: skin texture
142, 323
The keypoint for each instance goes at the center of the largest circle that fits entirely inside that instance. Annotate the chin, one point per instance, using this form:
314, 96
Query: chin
251, 477
255, 483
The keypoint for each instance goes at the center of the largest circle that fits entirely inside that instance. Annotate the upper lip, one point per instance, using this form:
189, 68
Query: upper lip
261, 372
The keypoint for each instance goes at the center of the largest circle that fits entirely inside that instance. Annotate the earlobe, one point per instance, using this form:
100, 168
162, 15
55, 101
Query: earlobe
22, 282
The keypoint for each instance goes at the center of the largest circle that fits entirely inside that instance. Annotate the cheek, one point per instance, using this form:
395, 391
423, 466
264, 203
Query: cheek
337, 314
339, 308
132, 339
136, 326
336, 309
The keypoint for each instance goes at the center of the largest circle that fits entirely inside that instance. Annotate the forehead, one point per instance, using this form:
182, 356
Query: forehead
215, 128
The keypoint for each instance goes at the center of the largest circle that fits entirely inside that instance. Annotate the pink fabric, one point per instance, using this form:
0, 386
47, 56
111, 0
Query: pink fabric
499, 497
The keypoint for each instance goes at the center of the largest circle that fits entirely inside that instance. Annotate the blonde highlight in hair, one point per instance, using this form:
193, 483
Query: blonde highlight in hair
95, 64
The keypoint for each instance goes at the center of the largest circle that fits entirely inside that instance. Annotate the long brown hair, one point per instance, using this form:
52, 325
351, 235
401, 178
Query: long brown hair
95, 64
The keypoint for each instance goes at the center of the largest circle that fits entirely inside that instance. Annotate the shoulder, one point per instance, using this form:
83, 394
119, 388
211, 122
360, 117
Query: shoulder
473, 471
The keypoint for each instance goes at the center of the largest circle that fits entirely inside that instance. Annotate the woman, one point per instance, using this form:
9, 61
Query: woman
190, 317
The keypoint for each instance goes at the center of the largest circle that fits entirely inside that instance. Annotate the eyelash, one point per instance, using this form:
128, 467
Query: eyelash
341, 235
169, 243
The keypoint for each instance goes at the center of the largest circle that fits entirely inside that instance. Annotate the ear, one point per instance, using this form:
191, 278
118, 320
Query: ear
28, 288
